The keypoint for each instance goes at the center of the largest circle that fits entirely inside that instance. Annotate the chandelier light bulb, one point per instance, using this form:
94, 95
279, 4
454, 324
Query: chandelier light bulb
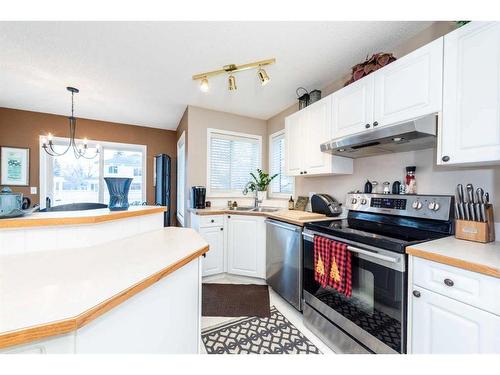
264, 78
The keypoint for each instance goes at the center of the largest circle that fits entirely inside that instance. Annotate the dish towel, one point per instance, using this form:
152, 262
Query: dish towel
322, 252
340, 275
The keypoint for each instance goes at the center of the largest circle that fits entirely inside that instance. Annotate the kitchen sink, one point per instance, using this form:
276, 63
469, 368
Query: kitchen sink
242, 209
265, 209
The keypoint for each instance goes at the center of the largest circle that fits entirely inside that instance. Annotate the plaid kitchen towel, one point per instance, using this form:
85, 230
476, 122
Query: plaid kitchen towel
322, 253
340, 275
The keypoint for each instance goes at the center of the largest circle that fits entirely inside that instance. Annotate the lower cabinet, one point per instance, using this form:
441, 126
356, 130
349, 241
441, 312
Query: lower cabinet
246, 245
452, 310
442, 325
213, 263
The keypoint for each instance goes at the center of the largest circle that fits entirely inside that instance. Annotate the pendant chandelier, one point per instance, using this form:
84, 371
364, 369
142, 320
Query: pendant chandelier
79, 150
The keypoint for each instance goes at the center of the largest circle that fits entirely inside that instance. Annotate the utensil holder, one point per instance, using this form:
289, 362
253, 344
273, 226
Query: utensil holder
477, 231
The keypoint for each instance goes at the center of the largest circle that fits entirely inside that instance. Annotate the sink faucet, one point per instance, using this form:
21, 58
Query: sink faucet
256, 198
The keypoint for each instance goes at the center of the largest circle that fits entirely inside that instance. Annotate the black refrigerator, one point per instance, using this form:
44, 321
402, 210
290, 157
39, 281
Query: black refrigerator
163, 168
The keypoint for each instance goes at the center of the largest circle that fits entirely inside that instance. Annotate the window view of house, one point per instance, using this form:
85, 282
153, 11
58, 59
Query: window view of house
120, 163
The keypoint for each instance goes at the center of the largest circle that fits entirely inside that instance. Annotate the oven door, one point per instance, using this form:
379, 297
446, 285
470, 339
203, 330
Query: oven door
375, 315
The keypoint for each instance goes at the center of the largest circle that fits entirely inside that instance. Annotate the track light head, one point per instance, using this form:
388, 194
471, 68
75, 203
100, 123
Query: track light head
264, 78
232, 83
204, 85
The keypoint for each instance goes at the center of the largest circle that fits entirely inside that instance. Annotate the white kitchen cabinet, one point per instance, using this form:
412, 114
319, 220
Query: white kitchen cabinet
409, 87
213, 263
353, 108
246, 245
442, 325
304, 132
452, 310
470, 128
211, 228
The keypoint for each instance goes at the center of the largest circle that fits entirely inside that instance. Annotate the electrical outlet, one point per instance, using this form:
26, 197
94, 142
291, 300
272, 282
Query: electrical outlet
33, 190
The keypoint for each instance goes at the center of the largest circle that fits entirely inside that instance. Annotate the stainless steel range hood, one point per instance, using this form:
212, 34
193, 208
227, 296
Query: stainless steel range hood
417, 134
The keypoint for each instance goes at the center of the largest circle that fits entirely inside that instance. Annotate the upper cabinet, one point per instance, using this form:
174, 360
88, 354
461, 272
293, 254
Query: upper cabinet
470, 128
353, 108
410, 87
406, 89
305, 130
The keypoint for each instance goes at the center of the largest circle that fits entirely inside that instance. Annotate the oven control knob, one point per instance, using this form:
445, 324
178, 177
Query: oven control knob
363, 201
434, 206
417, 205
354, 201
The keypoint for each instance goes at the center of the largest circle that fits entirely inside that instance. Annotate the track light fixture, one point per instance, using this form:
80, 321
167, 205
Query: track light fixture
232, 68
232, 83
204, 84
264, 78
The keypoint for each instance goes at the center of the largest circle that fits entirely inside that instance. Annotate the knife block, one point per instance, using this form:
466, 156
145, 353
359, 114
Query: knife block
477, 231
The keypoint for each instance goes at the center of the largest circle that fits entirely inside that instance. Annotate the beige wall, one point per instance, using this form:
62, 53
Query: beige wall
432, 179
23, 128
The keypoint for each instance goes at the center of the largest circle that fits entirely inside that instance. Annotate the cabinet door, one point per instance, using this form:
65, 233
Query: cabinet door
441, 325
410, 87
353, 108
317, 129
470, 129
294, 143
246, 245
214, 261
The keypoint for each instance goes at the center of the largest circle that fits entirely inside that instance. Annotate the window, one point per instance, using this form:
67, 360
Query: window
282, 185
65, 179
231, 158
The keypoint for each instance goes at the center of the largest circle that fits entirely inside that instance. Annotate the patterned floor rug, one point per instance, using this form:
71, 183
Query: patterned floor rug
274, 335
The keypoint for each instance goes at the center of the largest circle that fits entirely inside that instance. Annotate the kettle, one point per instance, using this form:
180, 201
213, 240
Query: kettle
13, 204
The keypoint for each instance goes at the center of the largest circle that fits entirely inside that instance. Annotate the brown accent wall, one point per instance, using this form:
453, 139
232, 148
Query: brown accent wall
23, 128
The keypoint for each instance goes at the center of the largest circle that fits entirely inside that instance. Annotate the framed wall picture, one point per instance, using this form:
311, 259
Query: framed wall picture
15, 166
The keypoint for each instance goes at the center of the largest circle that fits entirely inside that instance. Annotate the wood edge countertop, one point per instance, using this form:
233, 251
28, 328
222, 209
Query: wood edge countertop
272, 215
42, 219
29, 334
470, 256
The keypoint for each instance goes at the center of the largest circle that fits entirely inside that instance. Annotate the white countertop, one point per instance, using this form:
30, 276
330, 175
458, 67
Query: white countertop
473, 256
77, 217
41, 287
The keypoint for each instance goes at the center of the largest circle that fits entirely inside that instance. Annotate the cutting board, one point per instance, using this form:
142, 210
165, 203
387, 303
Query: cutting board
299, 215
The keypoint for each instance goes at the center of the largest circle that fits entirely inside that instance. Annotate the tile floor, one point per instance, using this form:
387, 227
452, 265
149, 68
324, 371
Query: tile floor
284, 307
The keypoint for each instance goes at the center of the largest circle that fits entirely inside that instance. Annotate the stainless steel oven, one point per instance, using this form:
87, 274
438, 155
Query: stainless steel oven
373, 319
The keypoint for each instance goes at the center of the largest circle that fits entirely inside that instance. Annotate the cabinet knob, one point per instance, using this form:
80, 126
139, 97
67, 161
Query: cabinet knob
416, 293
449, 282
301, 172
445, 158
229, 216
367, 126
212, 221
305, 172
375, 123
221, 228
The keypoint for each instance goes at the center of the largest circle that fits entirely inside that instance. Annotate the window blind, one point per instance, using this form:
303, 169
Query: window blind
282, 184
232, 158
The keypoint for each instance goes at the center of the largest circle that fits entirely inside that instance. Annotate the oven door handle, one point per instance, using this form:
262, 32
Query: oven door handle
362, 251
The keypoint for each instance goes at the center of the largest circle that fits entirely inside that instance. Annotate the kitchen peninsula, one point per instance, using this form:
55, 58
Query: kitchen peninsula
99, 282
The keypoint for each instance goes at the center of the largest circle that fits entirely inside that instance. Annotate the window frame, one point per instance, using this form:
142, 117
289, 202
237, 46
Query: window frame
181, 183
229, 193
279, 133
46, 165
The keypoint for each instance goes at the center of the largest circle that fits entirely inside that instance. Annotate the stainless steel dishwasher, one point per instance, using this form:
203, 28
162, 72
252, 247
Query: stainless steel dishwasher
284, 260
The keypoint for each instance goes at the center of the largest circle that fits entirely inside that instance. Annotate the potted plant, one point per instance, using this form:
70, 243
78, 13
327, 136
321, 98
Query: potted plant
259, 184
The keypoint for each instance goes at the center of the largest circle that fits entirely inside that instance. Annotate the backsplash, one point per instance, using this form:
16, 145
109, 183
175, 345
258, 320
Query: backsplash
431, 179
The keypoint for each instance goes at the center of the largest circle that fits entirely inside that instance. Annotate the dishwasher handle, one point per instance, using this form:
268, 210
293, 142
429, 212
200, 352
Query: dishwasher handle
282, 225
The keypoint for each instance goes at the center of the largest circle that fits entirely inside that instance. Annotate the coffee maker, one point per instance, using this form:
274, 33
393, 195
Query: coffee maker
198, 196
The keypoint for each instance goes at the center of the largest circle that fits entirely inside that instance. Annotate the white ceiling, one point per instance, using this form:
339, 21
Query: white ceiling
140, 72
